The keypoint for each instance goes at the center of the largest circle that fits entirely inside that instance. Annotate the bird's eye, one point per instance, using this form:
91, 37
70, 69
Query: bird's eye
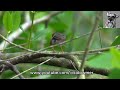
113, 16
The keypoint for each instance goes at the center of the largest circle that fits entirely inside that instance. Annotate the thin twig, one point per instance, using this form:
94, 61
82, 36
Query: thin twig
30, 35
16, 44
66, 41
88, 45
100, 39
49, 46
31, 68
50, 53
26, 25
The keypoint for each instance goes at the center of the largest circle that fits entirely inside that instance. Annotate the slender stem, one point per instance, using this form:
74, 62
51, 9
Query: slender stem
5, 43
29, 39
100, 39
16, 44
67, 41
27, 25
88, 45
46, 47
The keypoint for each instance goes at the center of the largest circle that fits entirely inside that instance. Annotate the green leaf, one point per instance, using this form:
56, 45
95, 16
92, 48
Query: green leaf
39, 14
62, 22
7, 21
16, 17
115, 74
116, 41
102, 61
115, 58
58, 25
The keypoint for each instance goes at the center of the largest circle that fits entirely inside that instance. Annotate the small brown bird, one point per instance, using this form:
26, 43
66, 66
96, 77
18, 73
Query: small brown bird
57, 38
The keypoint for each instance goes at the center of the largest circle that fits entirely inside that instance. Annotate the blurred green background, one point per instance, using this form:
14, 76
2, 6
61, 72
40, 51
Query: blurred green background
70, 23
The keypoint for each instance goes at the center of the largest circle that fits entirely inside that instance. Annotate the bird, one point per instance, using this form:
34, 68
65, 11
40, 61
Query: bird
57, 38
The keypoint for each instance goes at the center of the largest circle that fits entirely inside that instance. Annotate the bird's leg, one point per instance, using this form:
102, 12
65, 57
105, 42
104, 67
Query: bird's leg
53, 49
61, 49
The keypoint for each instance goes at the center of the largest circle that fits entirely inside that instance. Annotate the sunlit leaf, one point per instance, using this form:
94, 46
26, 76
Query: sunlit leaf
115, 58
58, 25
101, 61
16, 17
39, 14
7, 21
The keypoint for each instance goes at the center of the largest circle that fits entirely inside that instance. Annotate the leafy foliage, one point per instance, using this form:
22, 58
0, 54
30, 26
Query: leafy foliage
16, 18
7, 21
102, 61
11, 20
115, 58
115, 72
72, 24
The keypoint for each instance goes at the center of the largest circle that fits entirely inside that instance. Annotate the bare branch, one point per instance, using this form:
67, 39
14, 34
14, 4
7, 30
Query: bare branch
12, 67
90, 52
59, 62
27, 16
88, 45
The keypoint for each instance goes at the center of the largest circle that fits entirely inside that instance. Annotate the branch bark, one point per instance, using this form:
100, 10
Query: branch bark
64, 62
59, 62
10, 66
47, 53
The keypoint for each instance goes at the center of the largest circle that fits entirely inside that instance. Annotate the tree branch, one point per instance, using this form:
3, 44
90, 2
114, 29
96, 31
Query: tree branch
15, 44
88, 45
96, 51
59, 62
11, 66
25, 26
